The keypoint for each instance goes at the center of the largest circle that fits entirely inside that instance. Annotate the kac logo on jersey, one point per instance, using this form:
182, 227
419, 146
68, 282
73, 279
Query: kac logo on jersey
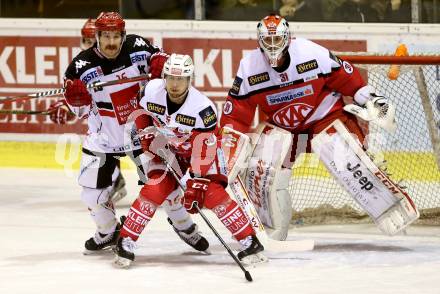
347, 67
138, 57
91, 74
139, 42
289, 95
292, 115
80, 64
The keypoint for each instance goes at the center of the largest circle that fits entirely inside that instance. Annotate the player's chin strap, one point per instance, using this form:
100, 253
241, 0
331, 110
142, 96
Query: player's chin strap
377, 110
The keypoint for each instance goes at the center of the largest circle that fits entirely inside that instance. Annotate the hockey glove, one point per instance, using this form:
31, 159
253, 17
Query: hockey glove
60, 113
76, 93
157, 60
195, 194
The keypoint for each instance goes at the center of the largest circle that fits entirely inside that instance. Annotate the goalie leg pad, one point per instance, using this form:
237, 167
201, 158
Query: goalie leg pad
363, 180
266, 181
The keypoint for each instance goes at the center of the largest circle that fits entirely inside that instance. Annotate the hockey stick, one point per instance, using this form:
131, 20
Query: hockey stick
246, 273
56, 92
11, 111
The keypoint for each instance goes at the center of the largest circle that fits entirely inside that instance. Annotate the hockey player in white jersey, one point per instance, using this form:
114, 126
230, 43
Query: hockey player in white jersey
114, 56
59, 113
299, 85
181, 123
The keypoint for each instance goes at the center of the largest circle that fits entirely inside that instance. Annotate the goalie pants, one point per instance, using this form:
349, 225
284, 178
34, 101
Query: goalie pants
163, 186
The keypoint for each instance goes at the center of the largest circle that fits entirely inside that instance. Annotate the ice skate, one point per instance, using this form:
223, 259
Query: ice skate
252, 251
192, 237
124, 252
101, 242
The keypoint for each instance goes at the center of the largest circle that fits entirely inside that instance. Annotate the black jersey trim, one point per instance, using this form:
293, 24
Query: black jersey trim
105, 105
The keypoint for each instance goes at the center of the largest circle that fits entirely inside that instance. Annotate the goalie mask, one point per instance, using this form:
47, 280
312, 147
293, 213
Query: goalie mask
88, 34
273, 37
178, 72
110, 33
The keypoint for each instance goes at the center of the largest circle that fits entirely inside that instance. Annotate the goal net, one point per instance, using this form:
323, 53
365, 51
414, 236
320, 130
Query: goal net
412, 153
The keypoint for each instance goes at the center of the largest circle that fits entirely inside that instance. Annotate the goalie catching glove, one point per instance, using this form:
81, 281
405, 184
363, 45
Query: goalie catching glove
373, 108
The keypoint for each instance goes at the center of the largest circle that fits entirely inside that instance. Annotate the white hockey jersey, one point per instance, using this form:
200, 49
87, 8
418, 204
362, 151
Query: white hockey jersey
196, 114
108, 130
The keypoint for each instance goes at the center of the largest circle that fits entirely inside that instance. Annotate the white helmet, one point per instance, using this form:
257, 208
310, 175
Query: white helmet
273, 37
178, 65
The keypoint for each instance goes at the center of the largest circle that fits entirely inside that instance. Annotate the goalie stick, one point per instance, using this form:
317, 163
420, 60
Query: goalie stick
56, 92
246, 273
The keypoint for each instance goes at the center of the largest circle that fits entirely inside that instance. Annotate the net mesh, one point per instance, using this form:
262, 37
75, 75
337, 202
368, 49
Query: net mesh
409, 154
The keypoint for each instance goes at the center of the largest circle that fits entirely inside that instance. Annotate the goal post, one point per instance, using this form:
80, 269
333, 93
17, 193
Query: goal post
412, 153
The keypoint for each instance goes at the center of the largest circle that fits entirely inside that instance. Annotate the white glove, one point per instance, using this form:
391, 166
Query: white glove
374, 108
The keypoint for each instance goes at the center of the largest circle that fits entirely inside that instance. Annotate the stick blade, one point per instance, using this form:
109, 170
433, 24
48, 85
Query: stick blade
248, 276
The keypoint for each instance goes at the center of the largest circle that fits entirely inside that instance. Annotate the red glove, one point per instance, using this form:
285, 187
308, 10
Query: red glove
59, 113
195, 194
157, 60
76, 93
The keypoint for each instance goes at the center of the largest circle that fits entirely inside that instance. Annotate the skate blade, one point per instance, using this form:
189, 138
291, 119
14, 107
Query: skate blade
97, 252
121, 262
254, 259
119, 195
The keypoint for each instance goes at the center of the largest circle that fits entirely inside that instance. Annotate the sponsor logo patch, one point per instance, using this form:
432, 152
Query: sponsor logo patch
219, 210
139, 42
289, 95
156, 108
91, 74
138, 57
291, 115
208, 116
258, 79
186, 120
307, 66
235, 89
80, 64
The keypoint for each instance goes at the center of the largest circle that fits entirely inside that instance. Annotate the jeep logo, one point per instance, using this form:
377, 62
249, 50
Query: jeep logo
357, 174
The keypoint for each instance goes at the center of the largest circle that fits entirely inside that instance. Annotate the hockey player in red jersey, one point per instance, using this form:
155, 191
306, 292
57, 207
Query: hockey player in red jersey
182, 125
60, 113
110, 136
299, 85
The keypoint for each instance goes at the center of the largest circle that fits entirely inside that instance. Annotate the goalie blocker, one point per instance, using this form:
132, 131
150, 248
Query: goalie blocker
386, 203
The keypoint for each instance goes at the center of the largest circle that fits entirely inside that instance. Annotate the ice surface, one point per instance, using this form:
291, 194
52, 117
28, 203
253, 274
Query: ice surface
43, 226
